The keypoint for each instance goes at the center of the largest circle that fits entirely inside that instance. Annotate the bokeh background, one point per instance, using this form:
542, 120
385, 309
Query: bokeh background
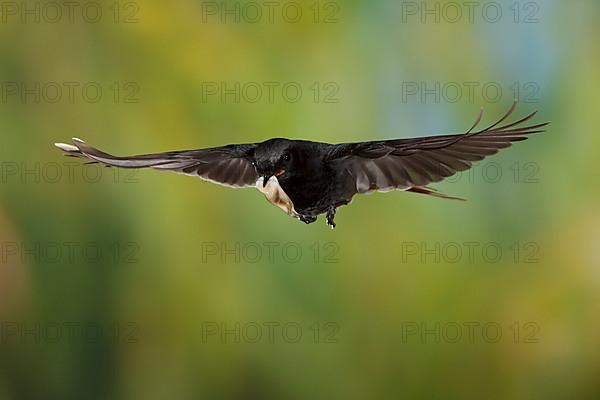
379, 299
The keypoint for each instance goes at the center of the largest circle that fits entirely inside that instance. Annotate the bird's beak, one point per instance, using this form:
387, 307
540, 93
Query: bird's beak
266, 179
279, 172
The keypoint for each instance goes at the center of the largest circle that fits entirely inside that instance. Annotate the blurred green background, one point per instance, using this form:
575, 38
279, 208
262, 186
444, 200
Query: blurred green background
161, 314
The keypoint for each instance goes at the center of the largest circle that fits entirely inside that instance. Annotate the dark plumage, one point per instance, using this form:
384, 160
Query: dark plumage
307, 178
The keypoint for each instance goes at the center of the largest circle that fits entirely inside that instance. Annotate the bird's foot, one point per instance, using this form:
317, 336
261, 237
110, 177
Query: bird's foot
330, 217
307, 219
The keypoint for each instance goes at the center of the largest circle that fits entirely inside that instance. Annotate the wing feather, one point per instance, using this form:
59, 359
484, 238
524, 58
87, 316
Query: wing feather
229, 165
414, 163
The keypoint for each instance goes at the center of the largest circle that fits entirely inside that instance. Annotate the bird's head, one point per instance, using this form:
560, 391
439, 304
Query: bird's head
273, 158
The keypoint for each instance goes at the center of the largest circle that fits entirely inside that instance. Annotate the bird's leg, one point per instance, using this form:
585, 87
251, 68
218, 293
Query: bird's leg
331, 216
307, 219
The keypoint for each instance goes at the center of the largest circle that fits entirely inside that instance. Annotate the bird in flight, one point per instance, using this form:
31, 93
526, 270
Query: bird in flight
306, 179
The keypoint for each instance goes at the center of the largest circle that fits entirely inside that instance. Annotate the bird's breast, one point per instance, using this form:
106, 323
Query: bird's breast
276, 195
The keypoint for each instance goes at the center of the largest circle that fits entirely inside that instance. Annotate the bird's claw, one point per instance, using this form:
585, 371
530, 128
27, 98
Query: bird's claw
330, 217
307, 219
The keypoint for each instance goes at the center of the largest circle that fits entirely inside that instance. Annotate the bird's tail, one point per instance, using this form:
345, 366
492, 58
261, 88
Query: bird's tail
432, 192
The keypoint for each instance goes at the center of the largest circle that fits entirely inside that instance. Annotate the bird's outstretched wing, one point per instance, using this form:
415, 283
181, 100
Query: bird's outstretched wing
411, 164
229, 165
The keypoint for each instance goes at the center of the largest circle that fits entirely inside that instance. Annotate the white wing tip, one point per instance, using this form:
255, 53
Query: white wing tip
75, 139
66, 147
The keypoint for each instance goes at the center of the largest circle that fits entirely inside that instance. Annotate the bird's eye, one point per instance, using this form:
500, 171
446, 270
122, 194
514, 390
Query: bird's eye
286, 157
254, 163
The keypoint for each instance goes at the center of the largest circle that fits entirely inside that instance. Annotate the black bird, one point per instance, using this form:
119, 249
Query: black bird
306, 178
